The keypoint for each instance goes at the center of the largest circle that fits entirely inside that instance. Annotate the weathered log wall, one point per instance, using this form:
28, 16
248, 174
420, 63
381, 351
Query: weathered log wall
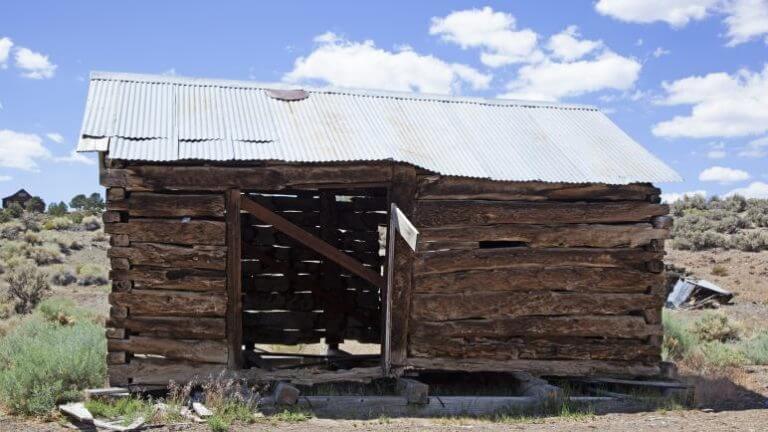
556, 279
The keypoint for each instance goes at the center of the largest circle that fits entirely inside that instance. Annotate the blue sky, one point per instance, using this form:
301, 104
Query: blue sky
688, 79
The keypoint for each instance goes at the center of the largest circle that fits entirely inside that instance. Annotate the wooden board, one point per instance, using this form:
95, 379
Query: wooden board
459, 188
500, 305
173, 327
626, 327
164, 255
538, 367
170, 303
234, 280
580, 279
148, 204
173, 231
487, 259
147, 278
206, 351
443, 213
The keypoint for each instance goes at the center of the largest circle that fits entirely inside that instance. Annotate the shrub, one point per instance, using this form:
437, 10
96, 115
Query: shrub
717, 354
76, 217
29, 220
678, 339
91, 223
91, 274
128, 409
757, 212
43, 363
730, 224
26, 287
719, 270
59, 209
11, 230
752, 241
15, 210
76, 245
700, 241
5, 216
45, 255
734, 204
11, 251
715, 327
58, 224
64, 278
756, 349
32, 238
100, 236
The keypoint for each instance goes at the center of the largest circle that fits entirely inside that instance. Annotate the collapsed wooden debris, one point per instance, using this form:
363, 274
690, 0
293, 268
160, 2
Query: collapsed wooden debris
693, 293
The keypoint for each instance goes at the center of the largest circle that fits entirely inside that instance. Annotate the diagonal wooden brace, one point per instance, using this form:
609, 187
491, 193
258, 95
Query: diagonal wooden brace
318, 245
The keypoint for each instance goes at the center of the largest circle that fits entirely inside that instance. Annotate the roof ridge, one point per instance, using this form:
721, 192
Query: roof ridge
217, 82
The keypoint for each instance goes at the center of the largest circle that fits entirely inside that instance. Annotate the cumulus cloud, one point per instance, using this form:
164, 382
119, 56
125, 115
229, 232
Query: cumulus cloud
723, 175
55, 137
744, 20
754, 190
660, 51
723, 105
567, 46
21, 150
756, 148
33, 64
5, 51
345, 63
670, 197
495, 33
552, 80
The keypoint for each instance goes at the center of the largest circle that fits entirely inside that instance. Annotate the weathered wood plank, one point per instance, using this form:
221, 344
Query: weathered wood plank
566, 348
148, 204
234, 280
537, 367
581, 279
172, 279
206, 351
163, 255
457, 260
154, 371
625, 327
442, 213
577, 235
173, 327
174, 231
115, 194
170, 303
459, 188
493, 305
221, 178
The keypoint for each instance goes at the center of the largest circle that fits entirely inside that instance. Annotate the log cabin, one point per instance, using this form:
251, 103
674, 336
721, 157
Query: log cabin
246, 215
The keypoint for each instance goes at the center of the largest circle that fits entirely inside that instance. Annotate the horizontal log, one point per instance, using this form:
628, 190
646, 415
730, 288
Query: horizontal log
220, 178
494, 305
581, 279
155, 371
163, 255
119, 263
456, 260
625, 327
429, 214
206, 351
312, 376
460, 188
569, 348
194, 232
537, 367
173, 327
577, 235
148, 204
172, 279
170, 303
115, 194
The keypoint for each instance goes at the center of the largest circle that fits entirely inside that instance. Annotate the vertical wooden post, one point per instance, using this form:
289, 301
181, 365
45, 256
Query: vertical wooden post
333, 294
402, 194
234, 281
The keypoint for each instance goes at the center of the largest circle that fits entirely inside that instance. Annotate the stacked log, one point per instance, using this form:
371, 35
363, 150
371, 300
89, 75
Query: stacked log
550, 278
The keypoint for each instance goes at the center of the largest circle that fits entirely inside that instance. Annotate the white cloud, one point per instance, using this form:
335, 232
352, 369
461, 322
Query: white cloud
746, 20
550, 80
670, 197
676, 13
660, 51
723, 175
754, 190
361, 64
723, 105
21, 150
5, 51
494, 32
716, 154
34, 65
75, 157
567, 46
756, 148
5, 178
55, 137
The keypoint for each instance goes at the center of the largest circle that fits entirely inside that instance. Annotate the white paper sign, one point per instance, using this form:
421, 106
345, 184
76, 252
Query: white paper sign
406, 229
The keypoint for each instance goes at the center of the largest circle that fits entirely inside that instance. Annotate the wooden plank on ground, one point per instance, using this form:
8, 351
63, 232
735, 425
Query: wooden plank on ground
429, 214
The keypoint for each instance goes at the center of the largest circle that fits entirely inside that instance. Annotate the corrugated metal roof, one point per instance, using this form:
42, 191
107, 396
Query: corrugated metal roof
162, 118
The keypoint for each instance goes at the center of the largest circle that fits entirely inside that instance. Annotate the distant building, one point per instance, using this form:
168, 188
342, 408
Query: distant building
20, 197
